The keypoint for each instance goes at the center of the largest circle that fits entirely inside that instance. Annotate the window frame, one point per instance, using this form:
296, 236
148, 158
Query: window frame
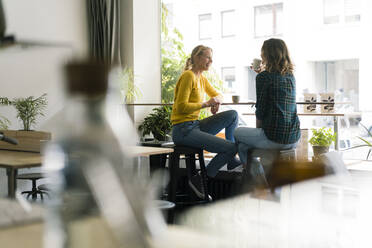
274, 23
222, 33
341, 14
233, 89
211, 35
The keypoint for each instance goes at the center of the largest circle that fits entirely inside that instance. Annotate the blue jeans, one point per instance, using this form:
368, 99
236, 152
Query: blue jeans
201, 134
249, 138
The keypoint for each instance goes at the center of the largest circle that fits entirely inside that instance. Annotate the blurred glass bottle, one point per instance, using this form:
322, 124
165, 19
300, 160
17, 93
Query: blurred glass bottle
86, 165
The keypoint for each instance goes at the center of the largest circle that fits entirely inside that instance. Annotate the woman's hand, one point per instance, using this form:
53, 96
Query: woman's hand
214, 108
258, 70
211, 102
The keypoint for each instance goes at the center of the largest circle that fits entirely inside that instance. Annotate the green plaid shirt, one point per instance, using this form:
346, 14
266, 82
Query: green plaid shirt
276, 107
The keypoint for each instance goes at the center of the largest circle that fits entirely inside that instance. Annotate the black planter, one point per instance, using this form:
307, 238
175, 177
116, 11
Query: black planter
320, 150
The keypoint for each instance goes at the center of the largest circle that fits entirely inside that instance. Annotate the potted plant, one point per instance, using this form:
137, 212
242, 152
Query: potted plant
321, 140
158, 123
28, 111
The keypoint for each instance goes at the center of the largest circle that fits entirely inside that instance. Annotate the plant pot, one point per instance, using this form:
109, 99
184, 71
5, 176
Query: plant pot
320, 150
28, 141
160, 137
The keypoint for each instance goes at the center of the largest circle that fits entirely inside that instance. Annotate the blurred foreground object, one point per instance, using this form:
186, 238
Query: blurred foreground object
90, 173
288, 172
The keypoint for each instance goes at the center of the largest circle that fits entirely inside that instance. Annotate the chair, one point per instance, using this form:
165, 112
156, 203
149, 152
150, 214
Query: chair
174, 168
45, 188
34, 191
260, 162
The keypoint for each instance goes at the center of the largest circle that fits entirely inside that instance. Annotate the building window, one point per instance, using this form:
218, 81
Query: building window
268, 20
228, 23
228, 77
205, 26
341, 11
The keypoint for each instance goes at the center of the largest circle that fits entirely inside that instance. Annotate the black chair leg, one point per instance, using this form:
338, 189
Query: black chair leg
172, 188
203, 173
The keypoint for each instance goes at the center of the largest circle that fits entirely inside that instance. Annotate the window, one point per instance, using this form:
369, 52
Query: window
228, 78
268, 20
205, 26
352, 10
341, 11
170, 17
228, 23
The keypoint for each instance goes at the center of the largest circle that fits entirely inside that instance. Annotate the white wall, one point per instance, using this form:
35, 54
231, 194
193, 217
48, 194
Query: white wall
141, 49
49, 21
33, 71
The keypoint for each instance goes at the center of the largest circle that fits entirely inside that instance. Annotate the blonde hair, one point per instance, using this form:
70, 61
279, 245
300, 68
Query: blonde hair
276, 56
197, 51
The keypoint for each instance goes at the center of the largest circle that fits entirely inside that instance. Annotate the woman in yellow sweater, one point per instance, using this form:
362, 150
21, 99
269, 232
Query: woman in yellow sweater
189, 131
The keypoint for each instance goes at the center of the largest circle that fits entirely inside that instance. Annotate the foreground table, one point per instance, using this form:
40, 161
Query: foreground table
14, 160
333, 211
95, 233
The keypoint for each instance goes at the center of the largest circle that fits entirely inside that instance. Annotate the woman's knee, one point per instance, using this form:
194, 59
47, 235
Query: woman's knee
229, 114
232, 148
232, 114
238, 133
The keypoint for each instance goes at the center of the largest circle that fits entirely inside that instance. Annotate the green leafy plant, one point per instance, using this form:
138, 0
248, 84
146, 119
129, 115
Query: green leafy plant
4, 123
28, 109
322, 137
129, 90
365, 141
158, 123
173, 58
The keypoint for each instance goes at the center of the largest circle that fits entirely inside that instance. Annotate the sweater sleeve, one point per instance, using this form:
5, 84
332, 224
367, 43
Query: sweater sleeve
261, 96
185, 88
209, 89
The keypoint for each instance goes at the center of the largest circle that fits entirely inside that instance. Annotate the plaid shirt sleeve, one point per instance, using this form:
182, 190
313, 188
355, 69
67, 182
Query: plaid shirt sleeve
261, 95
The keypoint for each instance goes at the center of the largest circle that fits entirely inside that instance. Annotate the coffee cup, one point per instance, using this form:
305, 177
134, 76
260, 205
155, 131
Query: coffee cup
235, 98
256, 64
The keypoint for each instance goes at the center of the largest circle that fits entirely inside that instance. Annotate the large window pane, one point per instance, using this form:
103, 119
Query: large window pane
329, 48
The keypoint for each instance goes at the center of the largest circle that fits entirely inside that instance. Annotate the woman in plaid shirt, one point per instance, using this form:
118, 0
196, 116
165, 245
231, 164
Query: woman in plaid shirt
277, 123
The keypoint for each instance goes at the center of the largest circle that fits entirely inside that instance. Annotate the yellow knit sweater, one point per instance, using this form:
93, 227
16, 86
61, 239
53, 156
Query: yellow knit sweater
189, 95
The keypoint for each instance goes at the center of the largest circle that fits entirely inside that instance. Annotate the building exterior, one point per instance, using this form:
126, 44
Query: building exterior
328, 41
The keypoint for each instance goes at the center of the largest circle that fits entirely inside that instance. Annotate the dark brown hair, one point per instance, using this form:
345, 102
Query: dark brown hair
276, 56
